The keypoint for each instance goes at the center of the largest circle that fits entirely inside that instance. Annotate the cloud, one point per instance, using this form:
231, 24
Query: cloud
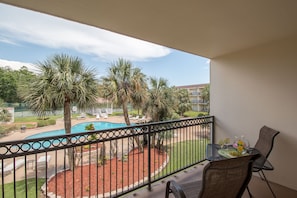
3, 39
20, 25
14, 65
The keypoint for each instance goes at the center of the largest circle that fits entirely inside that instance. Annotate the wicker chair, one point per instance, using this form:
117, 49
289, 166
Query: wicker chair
226, 178
264, 145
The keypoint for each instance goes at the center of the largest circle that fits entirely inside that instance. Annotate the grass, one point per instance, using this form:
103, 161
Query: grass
194, 114
183, 154
20, 188
34, 118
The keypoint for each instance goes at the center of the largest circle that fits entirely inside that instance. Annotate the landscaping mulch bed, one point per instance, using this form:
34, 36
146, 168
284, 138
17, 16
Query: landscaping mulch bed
114, 175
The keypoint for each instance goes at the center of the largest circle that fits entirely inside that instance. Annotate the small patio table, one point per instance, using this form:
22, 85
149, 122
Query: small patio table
212, 152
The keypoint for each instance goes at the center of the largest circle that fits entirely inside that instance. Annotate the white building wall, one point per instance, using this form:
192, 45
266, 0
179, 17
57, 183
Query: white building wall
257, 87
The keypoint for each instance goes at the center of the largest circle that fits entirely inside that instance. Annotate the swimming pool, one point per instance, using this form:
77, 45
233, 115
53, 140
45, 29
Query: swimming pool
78, 128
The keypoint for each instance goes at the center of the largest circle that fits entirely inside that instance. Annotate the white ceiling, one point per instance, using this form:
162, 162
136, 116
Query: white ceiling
208, 28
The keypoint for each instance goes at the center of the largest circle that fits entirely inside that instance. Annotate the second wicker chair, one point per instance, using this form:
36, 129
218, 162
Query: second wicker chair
226, 178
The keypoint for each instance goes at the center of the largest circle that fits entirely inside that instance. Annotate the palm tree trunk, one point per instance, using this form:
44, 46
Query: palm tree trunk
102, 154
126, 115
127, 120
153, 143
67, 126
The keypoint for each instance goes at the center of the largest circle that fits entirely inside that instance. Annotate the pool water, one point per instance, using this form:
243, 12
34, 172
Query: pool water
78, 128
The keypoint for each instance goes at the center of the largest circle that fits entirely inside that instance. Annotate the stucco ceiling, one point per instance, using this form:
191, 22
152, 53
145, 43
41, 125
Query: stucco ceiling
208, 28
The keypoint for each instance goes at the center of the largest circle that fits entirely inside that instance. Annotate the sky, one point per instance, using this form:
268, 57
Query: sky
28, 38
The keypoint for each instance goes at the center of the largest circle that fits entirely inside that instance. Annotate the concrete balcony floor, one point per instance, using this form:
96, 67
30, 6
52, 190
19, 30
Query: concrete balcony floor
258, 187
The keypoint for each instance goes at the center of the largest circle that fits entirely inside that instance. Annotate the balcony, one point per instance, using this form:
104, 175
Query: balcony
106, 163
243, 72
203, 102
256, 185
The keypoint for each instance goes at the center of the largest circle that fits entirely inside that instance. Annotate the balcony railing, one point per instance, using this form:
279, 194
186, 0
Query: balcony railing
106, 163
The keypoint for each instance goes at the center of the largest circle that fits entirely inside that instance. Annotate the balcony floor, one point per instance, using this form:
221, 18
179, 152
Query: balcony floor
258, 187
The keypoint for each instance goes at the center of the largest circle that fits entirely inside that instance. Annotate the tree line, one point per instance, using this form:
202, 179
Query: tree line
62, 81
145, 94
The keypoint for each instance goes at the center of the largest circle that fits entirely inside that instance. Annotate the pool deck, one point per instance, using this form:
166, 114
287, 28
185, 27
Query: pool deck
18, 135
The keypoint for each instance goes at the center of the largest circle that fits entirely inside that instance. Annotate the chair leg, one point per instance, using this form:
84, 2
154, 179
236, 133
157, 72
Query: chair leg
167, 189
267, 182
250, 194
262, 177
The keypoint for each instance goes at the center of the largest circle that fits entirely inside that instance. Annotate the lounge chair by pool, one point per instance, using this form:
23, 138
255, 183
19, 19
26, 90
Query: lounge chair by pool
135, 118
81, 116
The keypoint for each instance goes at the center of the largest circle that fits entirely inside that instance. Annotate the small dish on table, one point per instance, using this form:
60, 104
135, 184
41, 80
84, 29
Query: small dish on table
230, 153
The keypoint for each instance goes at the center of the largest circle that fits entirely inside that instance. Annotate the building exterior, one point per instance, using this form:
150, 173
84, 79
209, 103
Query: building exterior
196, 98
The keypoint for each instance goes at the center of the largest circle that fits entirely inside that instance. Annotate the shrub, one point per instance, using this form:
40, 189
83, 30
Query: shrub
5, 129
175, 116
117, 113
27, 125
90, 127
191, 114
194, 114
52, 122
42, 123
200, 114
2, 131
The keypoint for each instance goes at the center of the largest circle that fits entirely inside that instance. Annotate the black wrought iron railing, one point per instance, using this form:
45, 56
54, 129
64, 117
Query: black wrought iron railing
106, 163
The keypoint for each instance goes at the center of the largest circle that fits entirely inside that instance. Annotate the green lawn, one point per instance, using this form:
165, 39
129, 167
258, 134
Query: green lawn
181, 154
34, 118
20, 188
184, 153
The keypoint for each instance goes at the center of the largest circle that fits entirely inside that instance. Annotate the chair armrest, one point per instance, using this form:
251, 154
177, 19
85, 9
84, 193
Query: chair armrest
262, 164
267, 166
173, 187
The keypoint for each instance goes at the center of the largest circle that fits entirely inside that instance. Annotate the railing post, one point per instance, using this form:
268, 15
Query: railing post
212, 130
149, 158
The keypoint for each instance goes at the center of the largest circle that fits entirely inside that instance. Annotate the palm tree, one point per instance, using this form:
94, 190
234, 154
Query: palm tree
161, 102
205, 96
184, 103
123, 85
63, 80
140, 96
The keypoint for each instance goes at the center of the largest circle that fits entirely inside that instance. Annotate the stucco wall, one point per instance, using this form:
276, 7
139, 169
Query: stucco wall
257, 87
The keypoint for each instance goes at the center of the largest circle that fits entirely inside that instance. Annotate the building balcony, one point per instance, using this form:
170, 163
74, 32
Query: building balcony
133, 161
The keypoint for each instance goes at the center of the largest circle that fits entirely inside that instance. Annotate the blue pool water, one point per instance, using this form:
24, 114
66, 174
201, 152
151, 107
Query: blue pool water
78, 128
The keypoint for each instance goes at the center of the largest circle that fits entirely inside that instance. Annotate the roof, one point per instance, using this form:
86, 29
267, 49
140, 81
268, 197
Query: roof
191, 86
205, 28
